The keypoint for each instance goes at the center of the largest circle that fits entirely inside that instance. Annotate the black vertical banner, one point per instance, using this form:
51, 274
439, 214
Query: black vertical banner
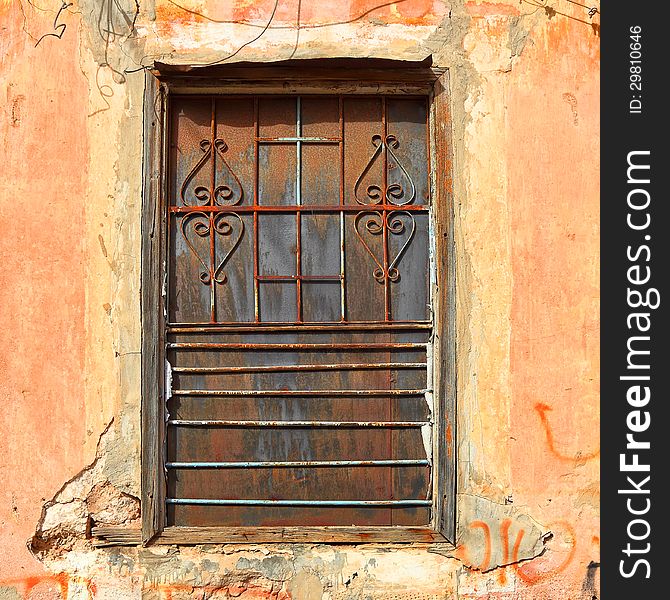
635, 341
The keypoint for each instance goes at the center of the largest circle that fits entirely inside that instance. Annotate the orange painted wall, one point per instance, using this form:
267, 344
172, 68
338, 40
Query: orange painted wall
42, 192
526, 144
553, 162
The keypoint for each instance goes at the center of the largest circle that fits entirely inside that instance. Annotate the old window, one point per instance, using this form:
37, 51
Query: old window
295, 384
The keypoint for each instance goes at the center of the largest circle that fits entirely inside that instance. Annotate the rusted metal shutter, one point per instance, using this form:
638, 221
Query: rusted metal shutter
299, 323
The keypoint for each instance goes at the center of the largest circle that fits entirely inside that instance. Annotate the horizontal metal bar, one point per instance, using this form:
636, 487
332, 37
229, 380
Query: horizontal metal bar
237, 327
279, 347
293, 464
299, 278
329, 424
308, 208
318, 140
300, 393
308, 368
372, 503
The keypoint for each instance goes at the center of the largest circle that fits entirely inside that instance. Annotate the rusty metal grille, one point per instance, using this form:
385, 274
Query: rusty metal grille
298, 331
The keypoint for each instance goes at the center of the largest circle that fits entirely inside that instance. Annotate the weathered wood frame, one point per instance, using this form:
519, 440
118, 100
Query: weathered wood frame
412, 78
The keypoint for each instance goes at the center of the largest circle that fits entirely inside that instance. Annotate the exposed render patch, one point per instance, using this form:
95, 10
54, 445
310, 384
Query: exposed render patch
492, 535
518, 36
87, 499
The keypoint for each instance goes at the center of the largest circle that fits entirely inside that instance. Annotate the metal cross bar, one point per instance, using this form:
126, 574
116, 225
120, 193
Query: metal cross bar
329, 424
274, 326
300, 393
363, 503
291, 368
299, 277
292, 208
285, 140
295, 464
279, 346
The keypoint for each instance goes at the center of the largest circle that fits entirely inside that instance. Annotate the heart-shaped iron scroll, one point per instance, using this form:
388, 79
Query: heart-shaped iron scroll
394, 193
374, 225
224, 194
202, 225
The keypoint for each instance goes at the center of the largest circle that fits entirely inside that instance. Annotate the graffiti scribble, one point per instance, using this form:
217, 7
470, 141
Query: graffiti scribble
59, 28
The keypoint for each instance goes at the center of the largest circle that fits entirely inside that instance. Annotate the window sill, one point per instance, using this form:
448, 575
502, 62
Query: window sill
120, 536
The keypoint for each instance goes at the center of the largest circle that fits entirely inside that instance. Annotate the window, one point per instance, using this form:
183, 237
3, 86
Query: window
290, 380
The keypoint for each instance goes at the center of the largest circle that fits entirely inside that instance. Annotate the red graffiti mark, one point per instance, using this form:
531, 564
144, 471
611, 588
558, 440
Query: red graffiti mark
517, 545
504, 538
24, 587
461, 551
487, 541
542, 409
542, 568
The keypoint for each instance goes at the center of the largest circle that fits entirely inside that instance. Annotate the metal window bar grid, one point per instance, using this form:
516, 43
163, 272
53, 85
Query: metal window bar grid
384, 209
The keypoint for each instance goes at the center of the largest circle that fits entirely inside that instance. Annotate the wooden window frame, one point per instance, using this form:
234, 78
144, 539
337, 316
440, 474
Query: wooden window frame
341, 76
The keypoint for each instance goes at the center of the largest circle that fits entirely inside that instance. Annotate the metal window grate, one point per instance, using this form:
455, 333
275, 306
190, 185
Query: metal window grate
298, 336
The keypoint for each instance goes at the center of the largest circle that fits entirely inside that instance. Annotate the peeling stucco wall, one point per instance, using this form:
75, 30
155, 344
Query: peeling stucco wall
525, 99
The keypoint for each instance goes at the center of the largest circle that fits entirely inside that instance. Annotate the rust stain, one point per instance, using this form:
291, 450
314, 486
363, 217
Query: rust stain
578, 458
450, 441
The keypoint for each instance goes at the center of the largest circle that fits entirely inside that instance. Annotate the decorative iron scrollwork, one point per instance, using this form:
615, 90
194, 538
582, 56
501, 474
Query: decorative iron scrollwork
394, 193
202, 225
229, 193
375, 224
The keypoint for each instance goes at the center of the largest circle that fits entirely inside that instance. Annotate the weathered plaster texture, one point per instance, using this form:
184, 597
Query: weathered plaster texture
525, 97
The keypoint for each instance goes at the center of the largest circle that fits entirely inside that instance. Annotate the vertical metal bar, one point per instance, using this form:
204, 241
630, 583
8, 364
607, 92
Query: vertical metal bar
255, 241
387, 298
298, 200
212, 248
389, 433
343, 300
